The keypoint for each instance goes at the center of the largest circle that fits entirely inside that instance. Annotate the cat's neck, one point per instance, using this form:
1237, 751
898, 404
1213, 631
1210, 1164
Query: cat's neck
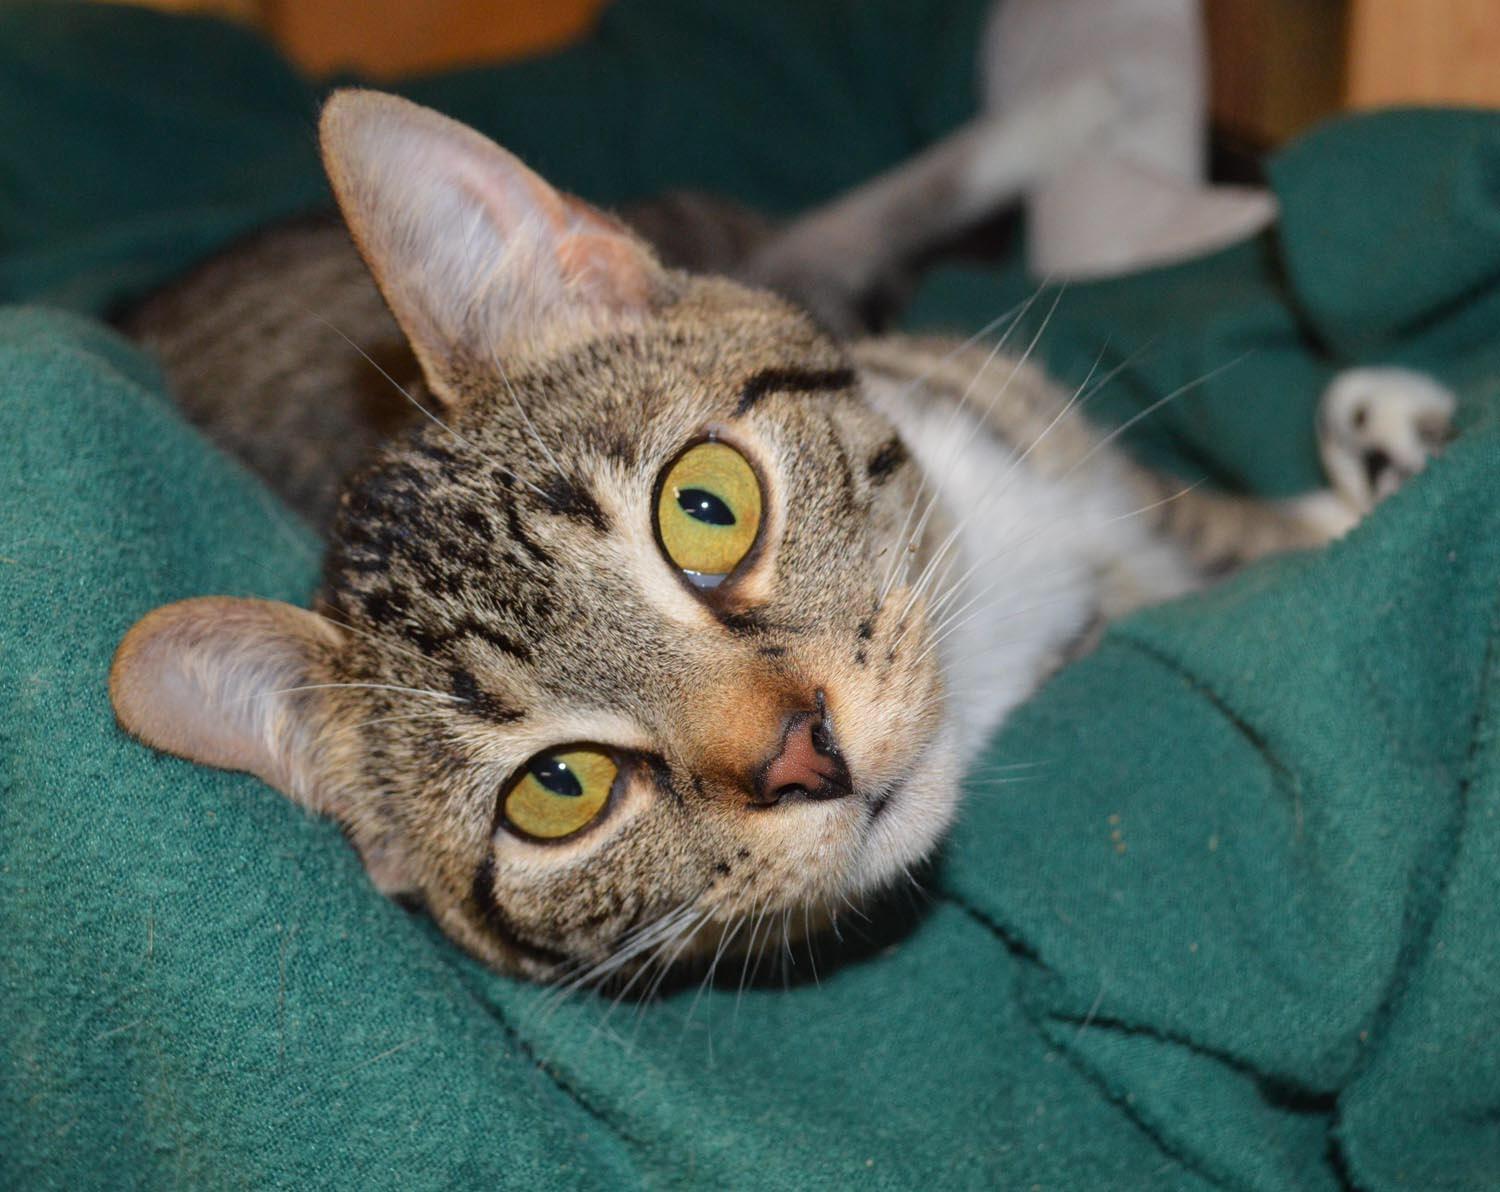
1029, 545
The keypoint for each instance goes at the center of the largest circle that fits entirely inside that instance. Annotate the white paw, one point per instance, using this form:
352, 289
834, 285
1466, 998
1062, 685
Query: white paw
1378, 427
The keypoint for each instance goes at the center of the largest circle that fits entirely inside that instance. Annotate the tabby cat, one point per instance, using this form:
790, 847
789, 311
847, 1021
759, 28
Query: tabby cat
672, 613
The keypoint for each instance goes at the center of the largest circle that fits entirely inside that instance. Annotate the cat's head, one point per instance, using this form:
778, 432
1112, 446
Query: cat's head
616, 646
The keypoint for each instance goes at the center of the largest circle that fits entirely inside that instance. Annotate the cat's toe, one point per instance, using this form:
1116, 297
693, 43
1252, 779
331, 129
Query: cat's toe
1378, 427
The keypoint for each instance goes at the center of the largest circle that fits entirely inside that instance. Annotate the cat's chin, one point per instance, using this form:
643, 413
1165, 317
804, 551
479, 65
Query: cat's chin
907, 820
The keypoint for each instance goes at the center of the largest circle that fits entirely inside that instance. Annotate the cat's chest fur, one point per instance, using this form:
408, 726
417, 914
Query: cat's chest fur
1039, 525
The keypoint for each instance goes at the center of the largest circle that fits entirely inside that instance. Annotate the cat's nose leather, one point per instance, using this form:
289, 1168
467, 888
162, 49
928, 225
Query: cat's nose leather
807, 763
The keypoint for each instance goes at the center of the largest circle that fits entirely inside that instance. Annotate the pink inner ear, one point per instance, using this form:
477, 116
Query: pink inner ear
610, 269
598, 257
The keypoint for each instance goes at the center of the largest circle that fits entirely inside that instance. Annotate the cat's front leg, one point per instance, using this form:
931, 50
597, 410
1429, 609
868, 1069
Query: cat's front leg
1377, 428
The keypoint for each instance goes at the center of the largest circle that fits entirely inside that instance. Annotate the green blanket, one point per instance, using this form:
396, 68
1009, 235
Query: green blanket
1221, 908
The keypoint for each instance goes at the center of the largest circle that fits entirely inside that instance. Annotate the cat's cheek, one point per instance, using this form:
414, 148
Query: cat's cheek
888, 727
803, 853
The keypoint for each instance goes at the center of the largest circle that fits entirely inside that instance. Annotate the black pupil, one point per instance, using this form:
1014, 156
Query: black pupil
701, 504
553, 773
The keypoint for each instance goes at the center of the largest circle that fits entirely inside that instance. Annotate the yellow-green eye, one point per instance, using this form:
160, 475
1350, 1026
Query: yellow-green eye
708, 513
561, 792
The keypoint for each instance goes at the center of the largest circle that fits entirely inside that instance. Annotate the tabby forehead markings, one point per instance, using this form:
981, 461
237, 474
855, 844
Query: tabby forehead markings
437, 640
466, 688
888, 457
518, 533
570, 497
847, 485
792, 380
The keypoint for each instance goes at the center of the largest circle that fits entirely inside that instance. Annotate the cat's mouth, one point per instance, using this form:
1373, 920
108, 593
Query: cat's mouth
882, 800
884, 797
905, 817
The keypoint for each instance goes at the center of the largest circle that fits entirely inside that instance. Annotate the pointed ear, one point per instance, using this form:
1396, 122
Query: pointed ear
476, 255
215, 680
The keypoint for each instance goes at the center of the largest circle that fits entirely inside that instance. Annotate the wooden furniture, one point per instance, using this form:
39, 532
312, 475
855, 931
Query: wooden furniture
386, 38
1280, 65
1423, 51
1275, 66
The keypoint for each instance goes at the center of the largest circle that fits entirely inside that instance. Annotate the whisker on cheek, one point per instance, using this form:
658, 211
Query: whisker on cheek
438, 695
351, 729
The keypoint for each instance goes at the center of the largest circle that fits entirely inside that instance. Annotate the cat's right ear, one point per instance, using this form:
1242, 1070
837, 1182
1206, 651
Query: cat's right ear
478, 256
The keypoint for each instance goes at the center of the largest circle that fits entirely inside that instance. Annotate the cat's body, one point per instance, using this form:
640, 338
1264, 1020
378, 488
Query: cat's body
670, 612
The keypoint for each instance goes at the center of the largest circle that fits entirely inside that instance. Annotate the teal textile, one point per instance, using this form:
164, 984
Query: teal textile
1220, 910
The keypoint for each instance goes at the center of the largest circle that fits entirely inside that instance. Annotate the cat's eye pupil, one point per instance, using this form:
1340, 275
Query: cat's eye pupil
554, 774
708, 512
702, 505
561, 792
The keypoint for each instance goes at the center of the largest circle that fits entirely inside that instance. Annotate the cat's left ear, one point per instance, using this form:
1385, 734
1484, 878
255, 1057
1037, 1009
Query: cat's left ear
238, 684
247, 685
477, 255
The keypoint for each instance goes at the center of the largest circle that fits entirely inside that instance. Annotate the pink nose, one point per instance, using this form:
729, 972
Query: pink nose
808, 763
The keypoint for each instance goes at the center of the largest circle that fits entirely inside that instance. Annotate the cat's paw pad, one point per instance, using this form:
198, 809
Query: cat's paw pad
1378, 427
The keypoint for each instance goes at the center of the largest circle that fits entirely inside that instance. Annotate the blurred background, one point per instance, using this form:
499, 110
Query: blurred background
1277, 66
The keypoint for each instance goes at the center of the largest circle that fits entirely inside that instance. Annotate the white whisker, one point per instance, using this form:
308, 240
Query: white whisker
424, 410
1153, 407
525, 417
368, 686
373, 363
